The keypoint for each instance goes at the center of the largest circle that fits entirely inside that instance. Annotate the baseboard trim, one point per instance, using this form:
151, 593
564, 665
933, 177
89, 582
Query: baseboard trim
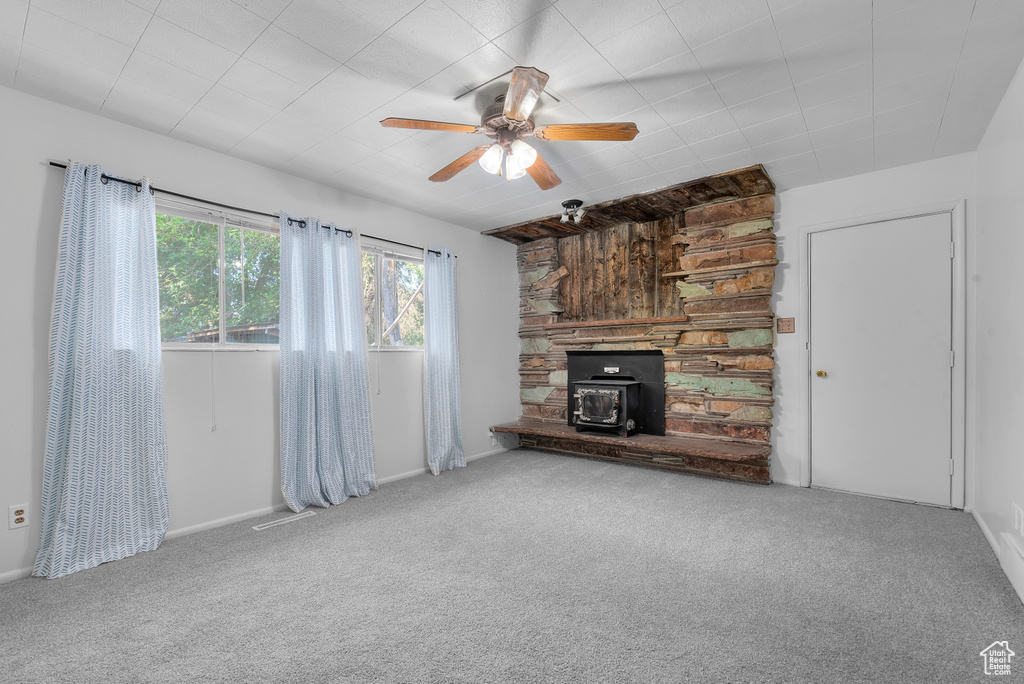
991, 538
1012, 563
11, 575
492, 452
421, 471
209, 525
402, 476
1011, 558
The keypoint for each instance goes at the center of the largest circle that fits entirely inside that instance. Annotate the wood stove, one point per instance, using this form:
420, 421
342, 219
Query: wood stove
619, 392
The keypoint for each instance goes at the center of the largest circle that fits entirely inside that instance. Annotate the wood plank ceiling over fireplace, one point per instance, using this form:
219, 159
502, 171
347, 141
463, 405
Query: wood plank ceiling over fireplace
646, 207
687, 270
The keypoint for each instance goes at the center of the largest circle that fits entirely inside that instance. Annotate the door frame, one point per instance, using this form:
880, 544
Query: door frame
958, 333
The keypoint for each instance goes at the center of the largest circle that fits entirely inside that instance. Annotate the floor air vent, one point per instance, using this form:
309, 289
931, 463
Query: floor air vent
283, 521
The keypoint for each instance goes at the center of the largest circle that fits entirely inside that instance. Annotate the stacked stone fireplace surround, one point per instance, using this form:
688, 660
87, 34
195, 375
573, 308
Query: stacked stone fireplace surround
696, 285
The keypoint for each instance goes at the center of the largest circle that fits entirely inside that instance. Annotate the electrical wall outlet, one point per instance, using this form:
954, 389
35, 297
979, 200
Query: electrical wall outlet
1018, 519
494, 438
17, 516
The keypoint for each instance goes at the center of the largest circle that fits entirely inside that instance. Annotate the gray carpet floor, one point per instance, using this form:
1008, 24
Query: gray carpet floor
535, 567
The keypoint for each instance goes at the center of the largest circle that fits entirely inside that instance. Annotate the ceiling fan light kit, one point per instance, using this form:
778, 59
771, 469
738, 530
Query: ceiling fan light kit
492, 158
507, 121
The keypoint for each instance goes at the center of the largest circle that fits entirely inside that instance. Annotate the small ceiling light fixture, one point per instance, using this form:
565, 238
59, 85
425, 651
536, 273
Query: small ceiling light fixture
572, 209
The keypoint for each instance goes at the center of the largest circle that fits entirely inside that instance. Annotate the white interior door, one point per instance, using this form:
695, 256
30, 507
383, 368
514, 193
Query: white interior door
880, 352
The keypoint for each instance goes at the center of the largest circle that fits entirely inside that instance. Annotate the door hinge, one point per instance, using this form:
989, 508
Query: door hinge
950, 466
952, 250
952, 358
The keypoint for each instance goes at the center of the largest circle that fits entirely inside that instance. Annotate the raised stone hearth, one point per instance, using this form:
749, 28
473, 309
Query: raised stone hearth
687, 270
748, 462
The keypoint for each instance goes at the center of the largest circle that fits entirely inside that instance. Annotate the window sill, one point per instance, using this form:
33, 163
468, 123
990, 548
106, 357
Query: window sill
265, 347
219, 348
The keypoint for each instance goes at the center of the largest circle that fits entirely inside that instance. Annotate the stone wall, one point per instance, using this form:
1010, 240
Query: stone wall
696, 285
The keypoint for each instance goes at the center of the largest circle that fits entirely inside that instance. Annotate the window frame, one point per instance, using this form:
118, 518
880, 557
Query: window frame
382, 249
223, 220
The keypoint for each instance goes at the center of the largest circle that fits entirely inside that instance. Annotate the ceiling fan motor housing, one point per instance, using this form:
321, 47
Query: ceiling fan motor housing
497, 126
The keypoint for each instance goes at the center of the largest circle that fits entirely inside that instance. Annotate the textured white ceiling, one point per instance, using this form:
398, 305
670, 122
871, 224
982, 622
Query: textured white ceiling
812, 89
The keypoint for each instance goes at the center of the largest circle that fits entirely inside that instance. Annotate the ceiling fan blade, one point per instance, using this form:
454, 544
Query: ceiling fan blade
420, 124
542, 173
459, 164
523, 92
588, 131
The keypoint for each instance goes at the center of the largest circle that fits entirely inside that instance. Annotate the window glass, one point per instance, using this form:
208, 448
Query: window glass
217, 279
401, 290
393, 300
370, 296
252, 286
188, 257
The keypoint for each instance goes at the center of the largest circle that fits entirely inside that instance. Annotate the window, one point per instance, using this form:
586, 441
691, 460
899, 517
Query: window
219, 278
393, 299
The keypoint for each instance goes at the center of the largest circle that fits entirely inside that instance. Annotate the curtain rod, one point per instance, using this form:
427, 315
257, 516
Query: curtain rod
152, 188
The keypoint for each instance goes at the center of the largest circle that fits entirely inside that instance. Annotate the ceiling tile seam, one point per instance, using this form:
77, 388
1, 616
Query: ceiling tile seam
276, 17
119, 73
218, 81
641, 178
21, 43
711, 81
489, 204
48, 45
641, 96
874, 162
598, 53
511, 28
621, 28
789, 71
959, 58
281, 110
384, 32
413, 87
244, 9
298, 38
729, 33
399, 20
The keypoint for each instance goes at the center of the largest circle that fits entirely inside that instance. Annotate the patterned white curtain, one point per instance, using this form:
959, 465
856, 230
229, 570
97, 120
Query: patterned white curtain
441, 363
326, 433
104, 470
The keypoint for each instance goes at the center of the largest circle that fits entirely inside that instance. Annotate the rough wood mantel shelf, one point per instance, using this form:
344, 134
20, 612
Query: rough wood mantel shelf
701, 455
618, 322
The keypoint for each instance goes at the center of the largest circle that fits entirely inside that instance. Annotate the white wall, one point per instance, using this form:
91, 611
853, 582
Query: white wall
1000, 325
898, 190
233, 471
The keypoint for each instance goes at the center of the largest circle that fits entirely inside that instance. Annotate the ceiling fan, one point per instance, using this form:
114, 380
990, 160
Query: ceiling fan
507, 121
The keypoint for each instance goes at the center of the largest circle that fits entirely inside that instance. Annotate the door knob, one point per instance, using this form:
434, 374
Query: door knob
821, 373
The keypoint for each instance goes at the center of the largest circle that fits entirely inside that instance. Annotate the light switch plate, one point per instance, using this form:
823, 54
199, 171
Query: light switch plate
785, 325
